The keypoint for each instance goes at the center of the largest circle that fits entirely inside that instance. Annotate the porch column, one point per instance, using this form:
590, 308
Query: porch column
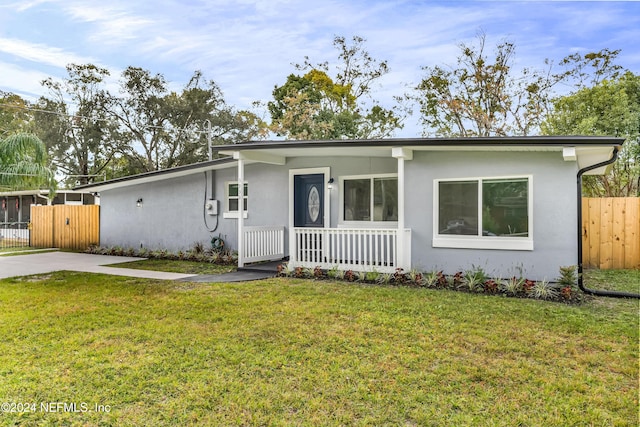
240, 210
402, 154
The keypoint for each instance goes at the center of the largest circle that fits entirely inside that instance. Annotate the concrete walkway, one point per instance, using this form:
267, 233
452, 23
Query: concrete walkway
42, 263
48, 262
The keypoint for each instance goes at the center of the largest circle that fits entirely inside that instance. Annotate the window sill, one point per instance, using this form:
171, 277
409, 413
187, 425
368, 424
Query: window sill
368, 224
470, 242
231, 215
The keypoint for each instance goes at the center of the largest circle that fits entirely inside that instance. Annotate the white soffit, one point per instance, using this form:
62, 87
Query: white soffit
154, 176
588, 156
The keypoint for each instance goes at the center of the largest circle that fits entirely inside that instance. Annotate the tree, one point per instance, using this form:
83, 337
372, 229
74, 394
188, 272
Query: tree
164, 129
73, 124
482, 96
611, 107
15, 116
23, 163
316, 106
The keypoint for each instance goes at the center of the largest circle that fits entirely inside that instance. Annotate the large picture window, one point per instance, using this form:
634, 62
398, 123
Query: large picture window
370, 198
491, 213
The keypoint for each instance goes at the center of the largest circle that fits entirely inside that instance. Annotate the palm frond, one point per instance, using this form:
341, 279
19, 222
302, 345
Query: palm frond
23, 163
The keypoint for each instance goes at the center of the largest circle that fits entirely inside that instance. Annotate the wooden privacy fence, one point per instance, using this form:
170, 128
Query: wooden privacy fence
65, 226
611, 232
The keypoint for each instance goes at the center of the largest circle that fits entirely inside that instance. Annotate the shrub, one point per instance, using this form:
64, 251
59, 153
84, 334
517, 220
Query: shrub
399, 276
473, 280
349, 276
416, 277
544, 290
333, 272
299, 272
492, 286
384, 278
318, 273
568, 276
371, 276
362, 276
431, 279
513, 286
456, 280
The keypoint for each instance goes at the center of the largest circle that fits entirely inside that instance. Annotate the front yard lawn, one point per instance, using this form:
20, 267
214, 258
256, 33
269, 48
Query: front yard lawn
177, 266
299, 352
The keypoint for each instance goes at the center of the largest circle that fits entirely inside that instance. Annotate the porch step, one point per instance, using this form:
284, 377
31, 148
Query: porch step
263, 267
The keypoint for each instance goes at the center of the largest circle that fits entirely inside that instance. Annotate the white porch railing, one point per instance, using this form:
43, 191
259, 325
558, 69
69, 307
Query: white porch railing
263, 243
350, 249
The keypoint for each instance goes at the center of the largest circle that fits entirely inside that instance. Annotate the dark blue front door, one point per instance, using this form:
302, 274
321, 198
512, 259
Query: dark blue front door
308, 200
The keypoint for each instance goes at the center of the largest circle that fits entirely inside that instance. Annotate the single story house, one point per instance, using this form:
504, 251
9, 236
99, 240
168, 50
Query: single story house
509, 205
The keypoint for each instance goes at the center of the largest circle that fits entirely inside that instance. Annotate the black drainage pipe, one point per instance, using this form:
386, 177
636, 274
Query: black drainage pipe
596, 292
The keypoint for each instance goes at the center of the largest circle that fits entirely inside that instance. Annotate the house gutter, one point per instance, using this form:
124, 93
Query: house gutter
596, 292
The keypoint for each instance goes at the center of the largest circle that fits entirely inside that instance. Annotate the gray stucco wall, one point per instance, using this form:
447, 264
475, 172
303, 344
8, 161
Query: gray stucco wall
171, 215
554, 212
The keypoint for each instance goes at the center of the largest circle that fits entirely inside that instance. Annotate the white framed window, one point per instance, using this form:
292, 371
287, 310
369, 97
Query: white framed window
483, 213
232, 199
369, 198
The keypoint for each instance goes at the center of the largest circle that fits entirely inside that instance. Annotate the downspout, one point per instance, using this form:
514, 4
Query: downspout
596, 292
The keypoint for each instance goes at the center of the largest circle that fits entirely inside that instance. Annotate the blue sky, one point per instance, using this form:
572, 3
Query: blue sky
247, 47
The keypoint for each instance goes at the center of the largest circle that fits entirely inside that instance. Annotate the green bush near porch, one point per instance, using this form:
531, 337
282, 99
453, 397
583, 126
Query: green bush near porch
304, 352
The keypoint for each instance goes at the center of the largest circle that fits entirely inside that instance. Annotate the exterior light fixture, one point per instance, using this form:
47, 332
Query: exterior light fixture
330, 183
139, 202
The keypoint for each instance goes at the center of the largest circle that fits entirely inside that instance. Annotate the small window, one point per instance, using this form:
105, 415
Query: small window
489, 213
370, 199
233, 200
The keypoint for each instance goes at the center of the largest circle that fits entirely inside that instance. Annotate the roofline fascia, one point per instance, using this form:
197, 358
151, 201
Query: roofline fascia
159, 173
556, 141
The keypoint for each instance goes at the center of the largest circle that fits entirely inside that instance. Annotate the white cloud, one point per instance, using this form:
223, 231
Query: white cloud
248, 46
22, 81
40, 53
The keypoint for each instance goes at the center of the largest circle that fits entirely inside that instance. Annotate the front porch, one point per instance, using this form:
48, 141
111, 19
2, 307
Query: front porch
358, 249
351, 239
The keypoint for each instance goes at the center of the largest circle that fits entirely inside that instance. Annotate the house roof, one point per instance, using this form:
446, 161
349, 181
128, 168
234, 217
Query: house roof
37, 192
225, 162
426, 143
586, 150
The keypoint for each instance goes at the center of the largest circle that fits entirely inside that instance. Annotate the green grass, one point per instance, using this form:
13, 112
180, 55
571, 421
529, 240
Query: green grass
177, 266
299, 352
23, 250
613, 280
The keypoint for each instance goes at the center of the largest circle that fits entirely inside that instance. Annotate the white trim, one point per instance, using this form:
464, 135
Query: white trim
234, 215
240, 222
260, 157
367, 224
483, 242
228, 213
326, 171
569, 154
402, 153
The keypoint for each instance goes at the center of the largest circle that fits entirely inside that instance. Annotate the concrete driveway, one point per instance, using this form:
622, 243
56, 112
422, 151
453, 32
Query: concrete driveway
41, 263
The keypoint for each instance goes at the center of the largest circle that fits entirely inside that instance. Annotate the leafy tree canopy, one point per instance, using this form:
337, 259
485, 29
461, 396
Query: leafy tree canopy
72, 122
165, 128
611, 107
483, 95
317, 106
15, 116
